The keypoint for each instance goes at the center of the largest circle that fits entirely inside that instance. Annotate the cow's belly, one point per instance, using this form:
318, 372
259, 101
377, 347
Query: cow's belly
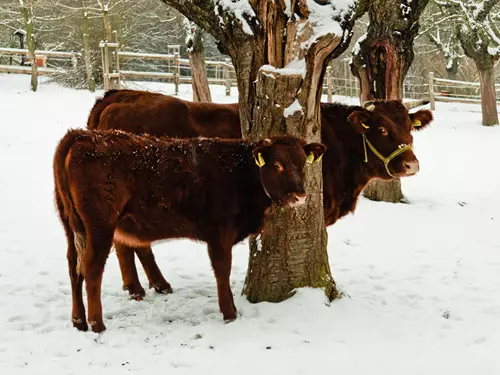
135, 230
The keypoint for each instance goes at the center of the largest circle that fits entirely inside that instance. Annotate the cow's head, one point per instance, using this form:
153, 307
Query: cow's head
385, 128
282, 162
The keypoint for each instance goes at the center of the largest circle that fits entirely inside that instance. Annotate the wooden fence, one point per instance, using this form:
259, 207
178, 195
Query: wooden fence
447, 90
172, 68
113, 74
40, 57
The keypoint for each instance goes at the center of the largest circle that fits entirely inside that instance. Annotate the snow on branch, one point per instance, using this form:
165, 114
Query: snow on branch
474, 28
330, 17
241, 9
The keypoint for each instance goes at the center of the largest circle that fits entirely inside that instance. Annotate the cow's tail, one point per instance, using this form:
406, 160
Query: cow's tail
99, 106
72, 222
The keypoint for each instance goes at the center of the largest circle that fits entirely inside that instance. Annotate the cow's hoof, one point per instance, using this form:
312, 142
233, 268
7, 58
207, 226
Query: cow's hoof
97, 327
80, 324
136, 292
162, 288
229, 317
136, 297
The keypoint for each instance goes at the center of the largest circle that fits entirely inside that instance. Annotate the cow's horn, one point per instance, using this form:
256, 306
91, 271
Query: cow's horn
369, 105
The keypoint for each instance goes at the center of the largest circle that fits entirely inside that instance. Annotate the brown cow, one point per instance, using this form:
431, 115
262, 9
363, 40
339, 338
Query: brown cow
363, 143
134, 190
147, 112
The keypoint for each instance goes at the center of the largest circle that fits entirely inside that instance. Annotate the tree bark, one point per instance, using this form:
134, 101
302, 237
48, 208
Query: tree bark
291, 251
384, 191
27, 13
196, 51
381, 63
86, 52
488, 96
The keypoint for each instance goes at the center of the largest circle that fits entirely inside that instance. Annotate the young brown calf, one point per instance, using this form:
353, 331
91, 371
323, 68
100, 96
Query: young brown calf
134, 190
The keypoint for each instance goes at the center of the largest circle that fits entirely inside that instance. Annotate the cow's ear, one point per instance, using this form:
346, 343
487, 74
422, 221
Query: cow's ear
314, 151
260, 155
359, 120
421, 119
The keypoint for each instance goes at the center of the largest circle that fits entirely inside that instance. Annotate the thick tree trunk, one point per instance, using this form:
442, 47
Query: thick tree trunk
488, 96
385, 191
381, 63
28, 22
86, 52
201, 89
291, 251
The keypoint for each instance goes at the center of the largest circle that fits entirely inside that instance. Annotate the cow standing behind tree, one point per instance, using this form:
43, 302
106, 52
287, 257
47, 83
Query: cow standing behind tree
134, 190
360, 142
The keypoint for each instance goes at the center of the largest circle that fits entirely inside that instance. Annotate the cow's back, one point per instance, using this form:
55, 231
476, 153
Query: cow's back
111, 97
141, 112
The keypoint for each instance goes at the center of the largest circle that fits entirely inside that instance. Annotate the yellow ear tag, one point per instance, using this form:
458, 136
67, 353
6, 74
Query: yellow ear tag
259, 160
319, 158
365, 126
310, 158
417, 123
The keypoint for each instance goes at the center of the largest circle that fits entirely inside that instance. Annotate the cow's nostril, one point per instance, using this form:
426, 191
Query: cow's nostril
411, 166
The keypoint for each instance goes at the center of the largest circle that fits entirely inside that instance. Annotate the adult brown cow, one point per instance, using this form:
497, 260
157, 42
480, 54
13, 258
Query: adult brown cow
134, 190
363, 143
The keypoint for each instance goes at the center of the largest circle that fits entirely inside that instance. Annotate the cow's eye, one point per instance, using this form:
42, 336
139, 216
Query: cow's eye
278, 166
382, 131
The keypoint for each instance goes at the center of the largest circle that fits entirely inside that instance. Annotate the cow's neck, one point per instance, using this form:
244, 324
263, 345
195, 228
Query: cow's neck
345, 172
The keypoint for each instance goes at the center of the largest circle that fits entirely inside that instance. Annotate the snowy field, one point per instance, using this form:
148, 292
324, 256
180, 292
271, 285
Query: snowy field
423, 279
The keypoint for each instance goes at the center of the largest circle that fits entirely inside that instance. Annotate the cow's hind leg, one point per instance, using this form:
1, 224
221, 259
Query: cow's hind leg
76, 278
130, 278
98, 246
155, 277
75, 274
220, 250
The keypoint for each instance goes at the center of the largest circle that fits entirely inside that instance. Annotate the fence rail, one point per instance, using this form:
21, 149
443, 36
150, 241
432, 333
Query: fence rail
451, 91
171, 68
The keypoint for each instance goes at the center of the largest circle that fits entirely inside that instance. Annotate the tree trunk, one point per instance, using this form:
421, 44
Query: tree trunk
291, 252
488, 96
381, 63
86, 52
28, 22
201, 89
107, 29
385, 191
452, 68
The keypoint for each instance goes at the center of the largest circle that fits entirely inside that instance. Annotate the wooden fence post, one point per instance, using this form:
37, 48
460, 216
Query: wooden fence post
117, 61
329, 83
74, 61
431, 91
177, 71
105, 64
227, 78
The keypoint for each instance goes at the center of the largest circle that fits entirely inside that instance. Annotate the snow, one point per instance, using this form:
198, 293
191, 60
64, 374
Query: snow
327, 18
295, 66
422, 279
292, 108
357, 45
238, 8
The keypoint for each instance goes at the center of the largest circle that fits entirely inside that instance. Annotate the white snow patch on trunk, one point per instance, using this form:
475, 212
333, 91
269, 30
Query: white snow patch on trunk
238, 8
293, 108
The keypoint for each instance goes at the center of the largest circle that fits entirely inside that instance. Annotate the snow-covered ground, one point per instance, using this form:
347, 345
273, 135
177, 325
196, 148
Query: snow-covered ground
423, 278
